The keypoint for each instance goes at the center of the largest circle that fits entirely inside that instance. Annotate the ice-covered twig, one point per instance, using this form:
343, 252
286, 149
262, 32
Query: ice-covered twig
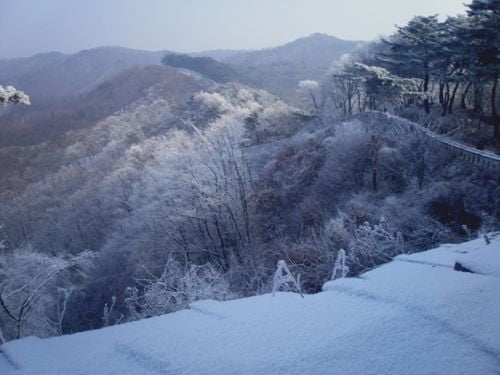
283, 279
339, 267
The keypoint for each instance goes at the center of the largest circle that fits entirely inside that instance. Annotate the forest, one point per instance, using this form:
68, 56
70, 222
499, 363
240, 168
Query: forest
197, 188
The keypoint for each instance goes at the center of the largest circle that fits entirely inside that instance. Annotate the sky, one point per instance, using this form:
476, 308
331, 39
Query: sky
33, 26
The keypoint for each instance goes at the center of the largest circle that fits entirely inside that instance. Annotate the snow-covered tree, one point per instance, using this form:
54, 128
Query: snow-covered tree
413, 51
176, 287
374, 244
310, 88
10, 94
29, 289
343, 86
385, 89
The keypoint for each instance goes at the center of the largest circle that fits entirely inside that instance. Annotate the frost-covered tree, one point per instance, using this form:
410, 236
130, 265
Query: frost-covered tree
176, 287
413, 51
108, 312
207, 192
10, 94
310, 88
343, 86
373, 244
29, 284
62, 300
383, 88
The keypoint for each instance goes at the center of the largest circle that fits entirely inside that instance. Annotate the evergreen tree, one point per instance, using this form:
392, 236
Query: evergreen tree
452, 60
484, 38
414, 50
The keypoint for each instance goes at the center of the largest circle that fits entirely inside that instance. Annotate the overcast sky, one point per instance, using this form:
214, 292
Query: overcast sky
31, 26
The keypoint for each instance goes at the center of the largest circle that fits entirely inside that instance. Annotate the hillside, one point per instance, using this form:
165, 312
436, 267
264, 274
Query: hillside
221, 54
415, 315
279, 69
56, 75
62, 127
72, 91
32, 125
313, 50
231, 178
207, 66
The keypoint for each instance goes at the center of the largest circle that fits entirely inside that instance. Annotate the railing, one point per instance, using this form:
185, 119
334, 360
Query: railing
473, 155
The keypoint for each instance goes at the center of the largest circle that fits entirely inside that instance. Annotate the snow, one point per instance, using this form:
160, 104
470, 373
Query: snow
415, 315
475, 255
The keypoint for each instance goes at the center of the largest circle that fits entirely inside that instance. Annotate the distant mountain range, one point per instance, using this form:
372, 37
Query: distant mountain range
31, 125
57, 74
279, 69
70, 91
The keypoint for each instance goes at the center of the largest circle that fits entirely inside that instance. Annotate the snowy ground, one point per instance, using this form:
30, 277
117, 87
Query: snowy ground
415, 315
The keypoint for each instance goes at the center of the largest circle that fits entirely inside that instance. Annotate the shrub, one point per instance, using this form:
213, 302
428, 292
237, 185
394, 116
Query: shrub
176, 288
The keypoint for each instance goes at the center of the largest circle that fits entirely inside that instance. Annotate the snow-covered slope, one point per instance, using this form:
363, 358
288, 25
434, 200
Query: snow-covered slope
415, 315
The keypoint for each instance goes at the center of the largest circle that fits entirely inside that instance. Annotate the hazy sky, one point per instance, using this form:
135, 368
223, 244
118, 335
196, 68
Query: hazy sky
32, 26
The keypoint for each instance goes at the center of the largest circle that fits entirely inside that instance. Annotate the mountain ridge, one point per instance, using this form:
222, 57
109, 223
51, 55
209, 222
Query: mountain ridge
55, 81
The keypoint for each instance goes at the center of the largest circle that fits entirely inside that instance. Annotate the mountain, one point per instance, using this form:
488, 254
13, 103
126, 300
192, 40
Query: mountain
72, 91
207, 66
221, 54
279, 69
129, 91
314, 50
415, 315
57, 75
13, 70
35, 124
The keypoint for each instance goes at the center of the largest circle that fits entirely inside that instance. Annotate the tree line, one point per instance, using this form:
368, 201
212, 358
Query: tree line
428, 62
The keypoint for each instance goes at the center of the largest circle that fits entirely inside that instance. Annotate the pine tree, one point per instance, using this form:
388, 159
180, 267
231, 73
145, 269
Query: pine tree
453, 60
413, 51
484, 37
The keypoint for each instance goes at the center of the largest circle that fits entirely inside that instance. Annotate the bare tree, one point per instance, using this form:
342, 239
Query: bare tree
310, 87
28, 281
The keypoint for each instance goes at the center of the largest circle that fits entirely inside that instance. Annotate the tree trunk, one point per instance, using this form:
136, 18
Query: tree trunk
441, 95
464, 96
374, 178
314, 102
478, 96
374, 147
225, 255
452, 99
421, 173
446, 99
426, 88
494, 115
